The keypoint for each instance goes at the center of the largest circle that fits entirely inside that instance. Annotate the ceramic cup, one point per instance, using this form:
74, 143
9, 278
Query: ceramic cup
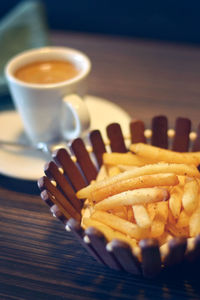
51, 112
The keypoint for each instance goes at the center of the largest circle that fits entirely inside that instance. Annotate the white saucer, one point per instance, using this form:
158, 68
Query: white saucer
29, 164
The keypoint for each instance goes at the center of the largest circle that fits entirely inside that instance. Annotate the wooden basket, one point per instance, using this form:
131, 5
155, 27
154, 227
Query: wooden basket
72, 174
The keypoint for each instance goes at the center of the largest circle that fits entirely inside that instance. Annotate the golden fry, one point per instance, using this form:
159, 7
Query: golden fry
175, 201
183, 220
157, 228
120, 212
109, 233
179, 232
194, 223
128, 159
171, 219
130, 215
190, 196
158, 154
178, 169
127, 201
102, 174
144, 181
158, 210
113, 170
140, 196
126, 227
141, 216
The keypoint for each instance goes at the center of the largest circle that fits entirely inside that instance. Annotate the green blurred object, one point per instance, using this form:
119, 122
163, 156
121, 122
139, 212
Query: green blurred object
23, 28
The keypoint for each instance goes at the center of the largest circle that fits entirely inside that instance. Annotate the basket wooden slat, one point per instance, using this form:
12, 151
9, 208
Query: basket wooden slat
63, 159
116, 138
63, 203
151, 260
137, 129
51, 170
84, 160
159, 132
177, 248
196, 143
74, 226
58, 214
99, 242
47, 197
98, 145
125, 256
181, 139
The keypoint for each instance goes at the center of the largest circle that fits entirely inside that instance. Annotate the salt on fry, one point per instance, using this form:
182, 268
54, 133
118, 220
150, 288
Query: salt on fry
144, 181
177, 169
140, 196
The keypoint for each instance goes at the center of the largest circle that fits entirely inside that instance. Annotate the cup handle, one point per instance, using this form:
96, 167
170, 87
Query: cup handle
75, 117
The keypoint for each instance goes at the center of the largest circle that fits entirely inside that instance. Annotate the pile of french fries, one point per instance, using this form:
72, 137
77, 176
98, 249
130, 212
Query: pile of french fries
147, 192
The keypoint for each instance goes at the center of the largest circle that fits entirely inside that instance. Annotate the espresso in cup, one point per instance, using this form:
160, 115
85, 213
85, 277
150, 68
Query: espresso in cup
47, 72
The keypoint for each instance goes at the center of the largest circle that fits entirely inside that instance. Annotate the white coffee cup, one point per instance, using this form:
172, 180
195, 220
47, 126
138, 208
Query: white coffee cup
51, 112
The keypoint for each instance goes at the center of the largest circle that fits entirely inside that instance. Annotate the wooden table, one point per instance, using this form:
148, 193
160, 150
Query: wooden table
38, 258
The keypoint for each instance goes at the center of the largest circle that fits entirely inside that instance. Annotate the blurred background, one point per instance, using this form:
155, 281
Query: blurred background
156, 43
170, 20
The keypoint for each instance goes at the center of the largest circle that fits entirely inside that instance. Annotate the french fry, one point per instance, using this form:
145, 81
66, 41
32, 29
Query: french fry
113, 170
193, 154
141, 216
144, 181
126, 168
175, 201
194, 223
157, 228
161, 210
140, 196
171, 219
151, 209
178, 232
127, 200
130, 215
181, 180
183, 220
102, 174
190, 196
178, 169
120, 212
126, 227
128, 159
158, 154
109, 233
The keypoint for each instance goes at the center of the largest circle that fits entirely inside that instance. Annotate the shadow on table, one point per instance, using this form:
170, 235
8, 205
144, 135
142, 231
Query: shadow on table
19, 185
98, 282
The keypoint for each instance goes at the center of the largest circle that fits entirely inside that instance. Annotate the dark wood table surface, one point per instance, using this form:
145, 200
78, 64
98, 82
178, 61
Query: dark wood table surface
38, 258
